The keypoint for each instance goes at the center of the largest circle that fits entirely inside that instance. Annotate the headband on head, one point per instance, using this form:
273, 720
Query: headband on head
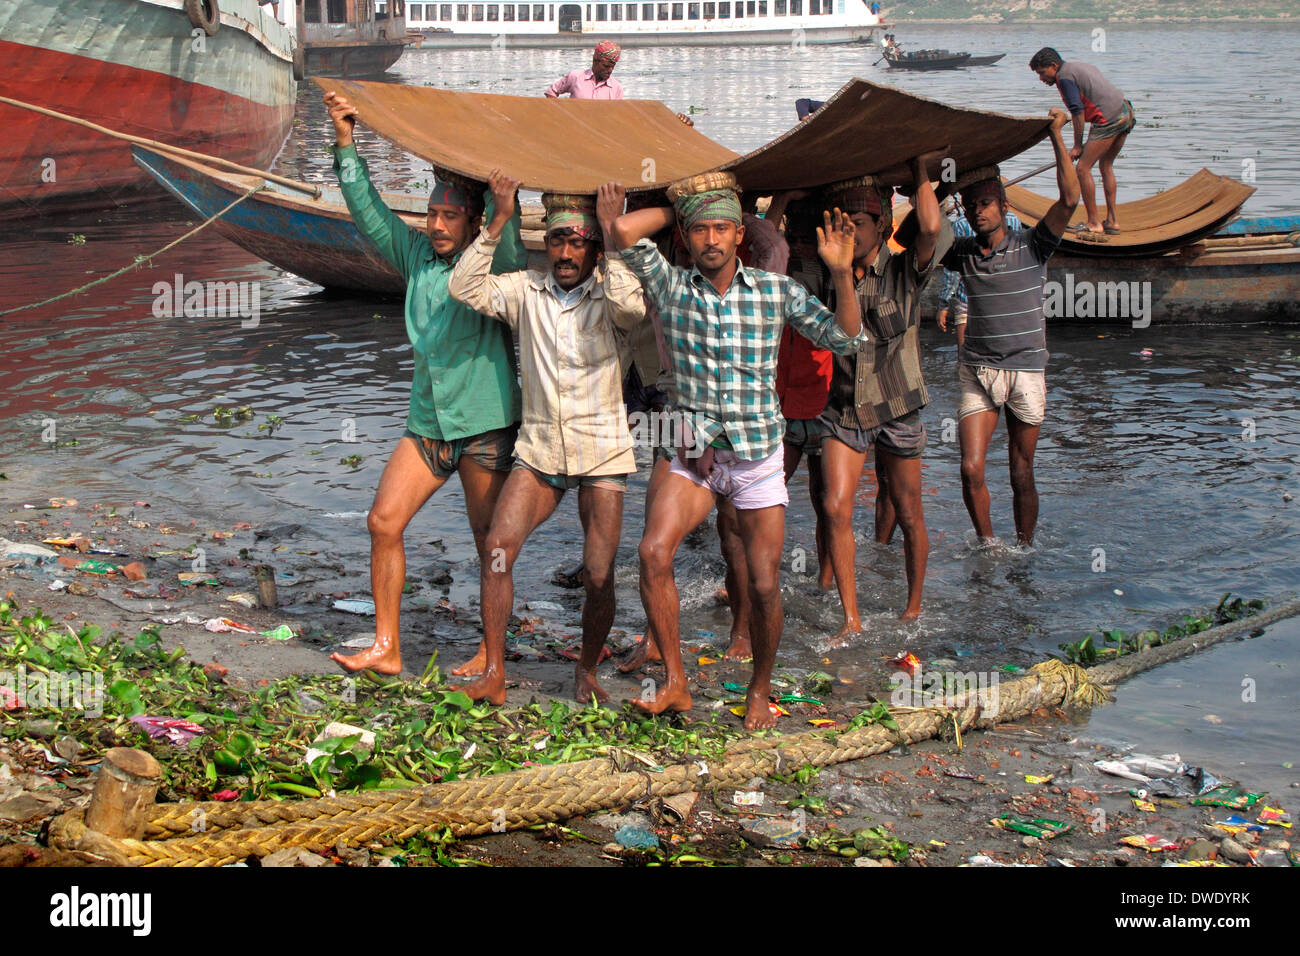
609, 51
452, 190
862, 194
706, 196
577, 213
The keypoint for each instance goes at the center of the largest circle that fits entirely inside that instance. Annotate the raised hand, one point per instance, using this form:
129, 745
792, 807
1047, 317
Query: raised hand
1059, 118
503, 194
610, 199
835, 240
344, 116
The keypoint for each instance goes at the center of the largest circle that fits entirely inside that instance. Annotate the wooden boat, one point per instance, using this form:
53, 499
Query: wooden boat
1197, 207
984, 60
215, 75
311, 237
926, 60
367, 43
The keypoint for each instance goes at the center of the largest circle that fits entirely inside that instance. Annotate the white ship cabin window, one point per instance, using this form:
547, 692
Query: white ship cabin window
508, 12
796, 8
693, 11
780, 8
539, 11
740, 9
724, 10
550, 12
462, 12
749, 8
494, 12
647, 11
476, 11
762, 8
632, 10
590, 15
602, 11
663, 11
710, 11
415, 11
444, 11
616, 11
677, 10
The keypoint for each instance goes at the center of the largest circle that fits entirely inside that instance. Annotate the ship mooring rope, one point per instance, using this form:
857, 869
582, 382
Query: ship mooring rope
217, 834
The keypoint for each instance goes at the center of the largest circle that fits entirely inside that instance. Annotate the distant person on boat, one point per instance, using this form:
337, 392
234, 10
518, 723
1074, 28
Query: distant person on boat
952, 291
1004, 354
877, 393
804, 107
1091, 98
571, 323
597, 83
465, 400
735, 315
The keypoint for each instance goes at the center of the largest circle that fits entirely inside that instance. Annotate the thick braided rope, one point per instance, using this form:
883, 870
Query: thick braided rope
233, 832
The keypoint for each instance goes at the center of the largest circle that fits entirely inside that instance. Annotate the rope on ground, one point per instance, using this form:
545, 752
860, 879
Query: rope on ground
218, 834
141, 260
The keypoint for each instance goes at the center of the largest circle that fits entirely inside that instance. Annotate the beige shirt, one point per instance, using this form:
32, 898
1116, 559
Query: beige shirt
571, 359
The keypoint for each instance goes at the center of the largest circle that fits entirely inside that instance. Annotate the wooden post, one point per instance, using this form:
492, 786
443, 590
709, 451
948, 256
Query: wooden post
124, 791
265, 575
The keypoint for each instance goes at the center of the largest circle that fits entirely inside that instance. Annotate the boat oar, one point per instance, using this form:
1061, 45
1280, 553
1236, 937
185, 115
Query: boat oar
166, 148
1031, 174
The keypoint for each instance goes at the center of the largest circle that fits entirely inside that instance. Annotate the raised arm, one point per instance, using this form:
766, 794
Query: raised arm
624, 298
1067, 180
472, 282
631, 227
929, 218
397, 242
835, 246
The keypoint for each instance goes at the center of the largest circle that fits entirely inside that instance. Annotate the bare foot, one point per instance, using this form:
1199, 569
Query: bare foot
669, 698
490, 687
584, 686
911, 614
383, 657
758, 716
644, 653
852, 627
474, 666
741, 649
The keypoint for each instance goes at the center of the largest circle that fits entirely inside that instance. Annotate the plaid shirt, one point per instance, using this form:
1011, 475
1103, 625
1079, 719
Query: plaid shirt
724, 347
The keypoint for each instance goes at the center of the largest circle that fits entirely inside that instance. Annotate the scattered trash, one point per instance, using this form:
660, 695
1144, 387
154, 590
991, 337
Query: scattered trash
1041, 828
58, 584
225, 796
795, 699
1275, 816
1213, 718
823, 722
1141, 767
1149, 842
776, 830
178, 732
704, 661
1230, 797
1235, 824
748, 798
635, 838
28, 553
1031, 778
8, 699
777, 710
361, 640
193, 578
1146, 806
733, 687
63, 502
907, 661
95, 566
223, 625
335, 731
1270, 857
544, 606
365, 608
243, 600
281, 633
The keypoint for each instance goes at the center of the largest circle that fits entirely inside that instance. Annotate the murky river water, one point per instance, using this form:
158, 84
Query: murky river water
1174, 463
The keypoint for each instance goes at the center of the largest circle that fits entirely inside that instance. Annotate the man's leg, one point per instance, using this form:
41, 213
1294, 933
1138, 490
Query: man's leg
482, 489
679, 506
886, 517
904, 484
1108, 184
737, 574
841, 471
817, 492
1092, 151
648, 649
526, 501
974, 432
763, 533
600, 507
1023, 442
407, 483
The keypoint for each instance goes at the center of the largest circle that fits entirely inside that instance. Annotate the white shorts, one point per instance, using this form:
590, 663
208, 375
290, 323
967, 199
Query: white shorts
748, 484
984, 389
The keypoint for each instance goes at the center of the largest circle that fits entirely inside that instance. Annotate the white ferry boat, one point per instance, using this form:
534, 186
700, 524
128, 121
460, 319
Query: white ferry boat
686, 23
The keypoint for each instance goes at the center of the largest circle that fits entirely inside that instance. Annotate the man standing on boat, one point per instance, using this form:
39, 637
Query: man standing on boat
723, 322
465, 403
572, 323
877, 394
1004, 354
1090, 98
598, 83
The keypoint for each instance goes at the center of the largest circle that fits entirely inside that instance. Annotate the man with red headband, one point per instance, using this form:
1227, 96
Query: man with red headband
598, 83
877, 394
572, 324
1003, 357
465, 403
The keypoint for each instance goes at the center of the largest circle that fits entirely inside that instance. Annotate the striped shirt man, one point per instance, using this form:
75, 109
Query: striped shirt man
724, 347
1004, 294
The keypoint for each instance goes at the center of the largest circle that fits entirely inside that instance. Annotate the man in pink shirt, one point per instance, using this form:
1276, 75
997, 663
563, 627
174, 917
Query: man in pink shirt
597, 83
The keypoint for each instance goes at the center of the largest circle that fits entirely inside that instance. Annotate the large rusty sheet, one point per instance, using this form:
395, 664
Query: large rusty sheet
567, 145
869, 128
552, 145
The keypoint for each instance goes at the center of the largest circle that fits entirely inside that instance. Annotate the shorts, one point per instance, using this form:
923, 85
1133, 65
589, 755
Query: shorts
494, 450
1120, 126
746, 484
902, 437
569, 482
985, 389
804, 434
639, 397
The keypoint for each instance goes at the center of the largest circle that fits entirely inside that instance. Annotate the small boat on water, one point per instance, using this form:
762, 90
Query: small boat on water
926, 60
1237, 276
352, 39
211, 75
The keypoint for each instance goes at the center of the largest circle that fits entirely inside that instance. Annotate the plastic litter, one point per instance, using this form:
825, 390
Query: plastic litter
243, 600
178, 732
635, 838
1225, 796
223, 625
1149, 842
907, 661
335, 730
366, 608
58, 585
283, 632
1235, 824
748, 798
777, 710
193, 578
1042, 828
28, 553
1275, 816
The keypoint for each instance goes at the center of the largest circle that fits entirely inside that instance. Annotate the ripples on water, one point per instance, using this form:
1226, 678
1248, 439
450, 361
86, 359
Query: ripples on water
1142, 457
